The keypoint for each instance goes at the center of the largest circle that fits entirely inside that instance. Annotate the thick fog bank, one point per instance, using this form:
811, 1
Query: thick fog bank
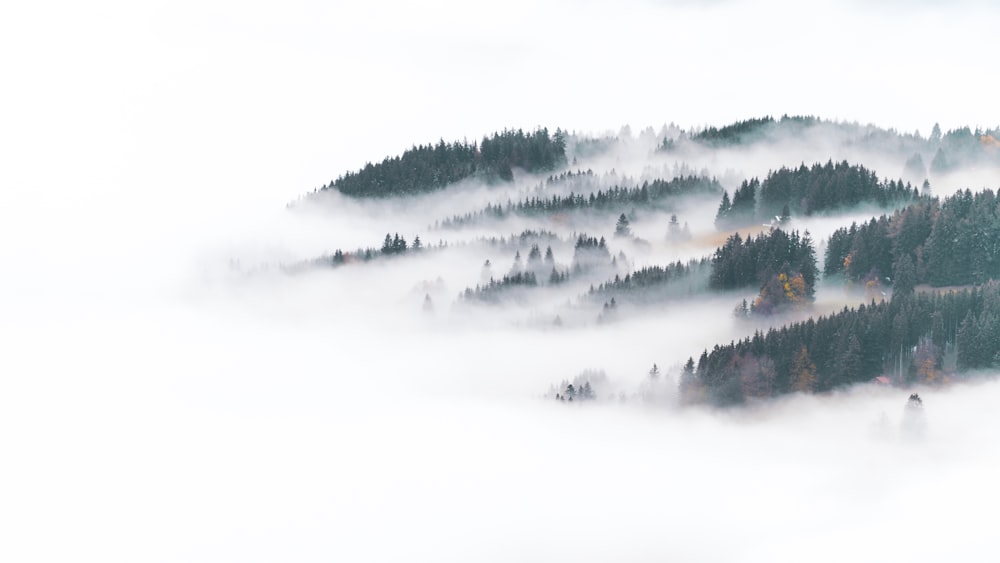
248, 429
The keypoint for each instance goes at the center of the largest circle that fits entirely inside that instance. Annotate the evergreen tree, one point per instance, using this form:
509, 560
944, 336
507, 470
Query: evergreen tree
940, 163
803, 373
722, 215
622, 226
904, 276
935, 137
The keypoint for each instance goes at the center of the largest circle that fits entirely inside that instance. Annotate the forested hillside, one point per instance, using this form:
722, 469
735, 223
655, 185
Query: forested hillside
905, 338
807, 190
650, 195
952, 242
897, 328
425, 168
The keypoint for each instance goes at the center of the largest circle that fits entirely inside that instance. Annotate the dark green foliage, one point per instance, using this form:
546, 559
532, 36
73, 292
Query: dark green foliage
754, 261
856, 345
654, 283
804, 191
657, 282
734, 134
904, 276
655, 194
392, 245
426, 168
725, 207
978, 336
827, 187
742, 210
954, 242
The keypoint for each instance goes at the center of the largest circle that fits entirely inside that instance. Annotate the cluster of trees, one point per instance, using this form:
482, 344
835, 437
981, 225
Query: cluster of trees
944, 151
584, 386
521, 274
976, 339
649, 194
734, 134
962, 147
742, 210
807, 190
754, 261
571, 392
589, 252
580, 176
652, 282
906, 338
538, 266
951, 242
392, 245
493, 290
521, 240
743, 132
426, 168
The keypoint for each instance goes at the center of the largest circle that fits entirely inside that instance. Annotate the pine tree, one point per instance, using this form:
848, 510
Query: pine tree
722, 215
622, 227
654, 372
904, 277
803, 373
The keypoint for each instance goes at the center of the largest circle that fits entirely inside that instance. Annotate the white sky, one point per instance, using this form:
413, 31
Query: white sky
276, 98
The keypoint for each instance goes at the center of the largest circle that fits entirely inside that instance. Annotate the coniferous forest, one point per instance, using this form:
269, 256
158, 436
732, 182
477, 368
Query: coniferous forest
603, 247
425, 168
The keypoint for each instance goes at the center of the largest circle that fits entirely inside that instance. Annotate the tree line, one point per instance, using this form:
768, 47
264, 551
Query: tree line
808, 190
615, 198
652, 282
425, 168
755, 260
391, 246
906, 339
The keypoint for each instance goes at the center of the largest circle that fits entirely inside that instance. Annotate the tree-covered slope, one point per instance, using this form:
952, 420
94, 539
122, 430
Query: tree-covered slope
426, 168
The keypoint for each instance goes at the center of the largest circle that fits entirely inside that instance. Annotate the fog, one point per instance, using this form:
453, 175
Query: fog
179, 381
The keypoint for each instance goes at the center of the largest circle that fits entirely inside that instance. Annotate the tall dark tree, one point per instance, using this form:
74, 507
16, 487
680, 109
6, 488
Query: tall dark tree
904, 276
622, 228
